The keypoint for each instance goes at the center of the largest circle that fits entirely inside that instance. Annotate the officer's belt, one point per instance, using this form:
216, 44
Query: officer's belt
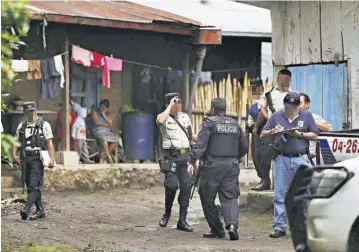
178, 151
292, 155
31, 153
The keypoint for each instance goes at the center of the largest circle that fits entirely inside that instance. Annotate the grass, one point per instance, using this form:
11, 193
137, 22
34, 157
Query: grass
11, 242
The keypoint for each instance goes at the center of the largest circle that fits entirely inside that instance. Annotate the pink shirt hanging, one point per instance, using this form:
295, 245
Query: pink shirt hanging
81, 56
111, 64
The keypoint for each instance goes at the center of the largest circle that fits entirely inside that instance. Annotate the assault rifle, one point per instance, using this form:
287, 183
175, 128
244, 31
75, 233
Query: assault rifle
196, 180
23, 169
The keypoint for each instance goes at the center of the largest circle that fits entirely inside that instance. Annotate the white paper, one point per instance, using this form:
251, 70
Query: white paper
45, 157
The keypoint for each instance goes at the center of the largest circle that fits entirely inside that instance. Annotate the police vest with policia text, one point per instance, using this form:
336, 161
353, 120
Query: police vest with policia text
223, 141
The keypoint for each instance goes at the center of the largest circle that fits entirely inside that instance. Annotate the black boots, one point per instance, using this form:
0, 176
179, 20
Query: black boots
182, 223
169, 198
233, 233
212, 234
40, 211
165, 218
25, 212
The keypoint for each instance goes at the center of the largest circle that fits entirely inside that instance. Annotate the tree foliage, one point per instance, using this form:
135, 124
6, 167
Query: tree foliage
15, 19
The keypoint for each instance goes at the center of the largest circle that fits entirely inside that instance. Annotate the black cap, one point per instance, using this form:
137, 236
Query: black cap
30, 106
292, 100
169, 96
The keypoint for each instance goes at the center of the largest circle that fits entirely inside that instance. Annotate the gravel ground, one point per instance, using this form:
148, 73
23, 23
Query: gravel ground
127, 220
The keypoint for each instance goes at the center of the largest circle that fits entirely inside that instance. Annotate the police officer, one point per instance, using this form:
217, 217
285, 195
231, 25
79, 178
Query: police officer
175, 127
291, 151
34, 135
220, 144
253, 112
271, 101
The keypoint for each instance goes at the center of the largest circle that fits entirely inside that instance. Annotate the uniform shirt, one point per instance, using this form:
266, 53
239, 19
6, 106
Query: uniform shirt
29, 131
203, 138
173, 135
277, 99
304, 121
317, 119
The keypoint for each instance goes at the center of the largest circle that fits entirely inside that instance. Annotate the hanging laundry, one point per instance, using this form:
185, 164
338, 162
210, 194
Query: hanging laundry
20, 65
111, 64
60, 69
97, 60
81, 56
51, 79
34, 71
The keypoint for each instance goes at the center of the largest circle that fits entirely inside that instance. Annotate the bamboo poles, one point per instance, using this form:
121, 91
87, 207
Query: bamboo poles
238, 96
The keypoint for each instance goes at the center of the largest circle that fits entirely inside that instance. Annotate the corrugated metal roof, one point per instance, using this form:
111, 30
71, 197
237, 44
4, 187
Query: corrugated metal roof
234, 19
109, 10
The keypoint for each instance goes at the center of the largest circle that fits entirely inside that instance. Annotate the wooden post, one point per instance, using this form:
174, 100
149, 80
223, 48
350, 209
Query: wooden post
186, 76
201, 55
66, 98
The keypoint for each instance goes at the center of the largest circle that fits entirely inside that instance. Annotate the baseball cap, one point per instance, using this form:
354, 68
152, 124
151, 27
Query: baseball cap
291, 100
169, 96
29, 106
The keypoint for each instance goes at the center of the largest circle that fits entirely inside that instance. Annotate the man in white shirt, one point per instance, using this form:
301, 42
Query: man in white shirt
271, 101
322, 124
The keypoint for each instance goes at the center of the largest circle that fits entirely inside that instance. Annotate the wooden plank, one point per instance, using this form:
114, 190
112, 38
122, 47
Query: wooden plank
292, 33
354, 90
350, 27
310, 32
331, 27
278, 42
66, 98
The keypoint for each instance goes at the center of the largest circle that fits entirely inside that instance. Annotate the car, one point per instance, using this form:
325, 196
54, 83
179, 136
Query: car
336, 146
331, 196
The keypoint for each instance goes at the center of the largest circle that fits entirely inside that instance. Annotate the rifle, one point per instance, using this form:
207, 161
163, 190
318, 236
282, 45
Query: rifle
269, 100
196, 180
23, 169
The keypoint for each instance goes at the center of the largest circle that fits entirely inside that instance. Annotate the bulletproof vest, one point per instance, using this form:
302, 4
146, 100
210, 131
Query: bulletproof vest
223, 141
37, 138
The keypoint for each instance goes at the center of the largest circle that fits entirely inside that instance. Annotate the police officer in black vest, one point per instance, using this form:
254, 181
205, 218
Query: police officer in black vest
34, 136
220, 145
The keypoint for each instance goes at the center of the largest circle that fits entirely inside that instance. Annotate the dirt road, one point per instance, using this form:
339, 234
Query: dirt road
125, 220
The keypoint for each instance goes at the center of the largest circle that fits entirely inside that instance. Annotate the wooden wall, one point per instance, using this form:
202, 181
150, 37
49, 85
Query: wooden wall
312, 32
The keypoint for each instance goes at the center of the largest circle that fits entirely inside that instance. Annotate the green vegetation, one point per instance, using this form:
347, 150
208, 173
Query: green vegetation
15, 20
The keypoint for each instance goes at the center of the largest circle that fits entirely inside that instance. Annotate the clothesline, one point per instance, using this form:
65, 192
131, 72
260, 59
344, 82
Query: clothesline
170, 69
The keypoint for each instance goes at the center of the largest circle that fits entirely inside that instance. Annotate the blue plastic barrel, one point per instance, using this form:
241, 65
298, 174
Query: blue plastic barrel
138, 135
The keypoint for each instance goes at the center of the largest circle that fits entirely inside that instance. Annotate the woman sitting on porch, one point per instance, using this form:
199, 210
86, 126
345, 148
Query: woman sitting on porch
101, 130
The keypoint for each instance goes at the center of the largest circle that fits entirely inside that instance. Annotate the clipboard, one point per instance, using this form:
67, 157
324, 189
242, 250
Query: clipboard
45, 158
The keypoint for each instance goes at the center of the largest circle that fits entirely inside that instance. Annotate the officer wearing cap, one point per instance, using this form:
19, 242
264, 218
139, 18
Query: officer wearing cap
34, 136
176, 130
270, 102
220, 145
292, 149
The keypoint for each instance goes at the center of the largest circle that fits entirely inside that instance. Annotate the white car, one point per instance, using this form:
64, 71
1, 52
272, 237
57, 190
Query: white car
333, 213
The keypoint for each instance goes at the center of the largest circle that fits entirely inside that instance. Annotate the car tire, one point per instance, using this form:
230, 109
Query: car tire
353, 243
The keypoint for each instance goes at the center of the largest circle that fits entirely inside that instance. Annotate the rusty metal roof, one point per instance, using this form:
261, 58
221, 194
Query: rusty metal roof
122, 11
